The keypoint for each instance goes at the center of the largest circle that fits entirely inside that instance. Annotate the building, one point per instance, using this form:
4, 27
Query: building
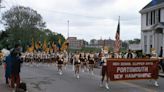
152, 26
101, 43
135, 46
75, 43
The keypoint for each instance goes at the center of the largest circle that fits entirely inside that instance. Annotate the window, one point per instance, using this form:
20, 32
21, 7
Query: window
151, 42
145, 43
156, 16
151, 38
151, 18
159, 15
146, 19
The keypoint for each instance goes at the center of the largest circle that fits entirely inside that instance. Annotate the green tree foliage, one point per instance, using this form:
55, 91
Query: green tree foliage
22, 25
135, 41
22, 17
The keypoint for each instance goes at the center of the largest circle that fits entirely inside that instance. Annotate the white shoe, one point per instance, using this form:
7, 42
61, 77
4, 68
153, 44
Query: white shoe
156, 84
60, 73
78, 76
106, 86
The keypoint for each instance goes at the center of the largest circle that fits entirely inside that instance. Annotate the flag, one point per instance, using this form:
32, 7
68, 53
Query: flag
54, 46
64, 45
32, 44
44, 45
38, 45
59, 43
117, 38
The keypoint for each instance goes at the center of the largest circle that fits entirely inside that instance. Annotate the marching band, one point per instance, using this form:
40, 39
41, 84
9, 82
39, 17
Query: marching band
80, 61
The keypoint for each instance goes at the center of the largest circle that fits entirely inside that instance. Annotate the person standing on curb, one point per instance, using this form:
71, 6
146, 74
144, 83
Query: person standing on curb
16, 67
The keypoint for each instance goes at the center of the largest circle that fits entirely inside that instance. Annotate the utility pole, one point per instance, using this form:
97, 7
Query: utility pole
68, 29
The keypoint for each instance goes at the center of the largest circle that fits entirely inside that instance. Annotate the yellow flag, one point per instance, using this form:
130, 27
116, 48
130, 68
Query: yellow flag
44, 45
38, 45
54, 46
64, 45
32, 44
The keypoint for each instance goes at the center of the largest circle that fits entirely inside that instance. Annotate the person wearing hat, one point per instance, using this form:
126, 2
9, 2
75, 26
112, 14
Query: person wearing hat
154, 56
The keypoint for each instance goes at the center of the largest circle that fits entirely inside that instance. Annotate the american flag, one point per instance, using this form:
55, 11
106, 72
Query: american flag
117, 39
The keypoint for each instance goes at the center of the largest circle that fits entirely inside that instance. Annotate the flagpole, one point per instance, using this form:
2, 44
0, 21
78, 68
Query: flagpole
117, 38
68, 45
68, 29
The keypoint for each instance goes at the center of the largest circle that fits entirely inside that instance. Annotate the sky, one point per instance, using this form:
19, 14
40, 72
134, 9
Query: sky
88, 19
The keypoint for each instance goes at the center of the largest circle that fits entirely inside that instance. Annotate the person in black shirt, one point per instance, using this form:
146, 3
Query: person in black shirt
15, 67
129, 55
161, 52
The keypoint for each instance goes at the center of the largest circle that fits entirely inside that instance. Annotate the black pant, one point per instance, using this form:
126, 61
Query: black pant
7, 80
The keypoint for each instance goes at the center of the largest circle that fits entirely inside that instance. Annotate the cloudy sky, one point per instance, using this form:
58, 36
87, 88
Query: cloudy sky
89, 19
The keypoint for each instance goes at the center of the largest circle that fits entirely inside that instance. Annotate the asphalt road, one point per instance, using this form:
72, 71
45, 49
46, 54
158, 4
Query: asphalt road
45, 78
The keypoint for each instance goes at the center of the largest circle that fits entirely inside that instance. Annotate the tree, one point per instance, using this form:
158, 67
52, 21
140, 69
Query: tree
22, 17
22, 24
135, 41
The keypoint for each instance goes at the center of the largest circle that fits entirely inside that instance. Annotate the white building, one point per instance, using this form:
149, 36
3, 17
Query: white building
135, 46
152, 26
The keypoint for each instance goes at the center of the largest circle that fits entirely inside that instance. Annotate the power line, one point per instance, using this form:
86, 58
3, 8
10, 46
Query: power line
72, 14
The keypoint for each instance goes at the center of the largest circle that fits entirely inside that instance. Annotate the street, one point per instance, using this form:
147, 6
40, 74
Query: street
45, 78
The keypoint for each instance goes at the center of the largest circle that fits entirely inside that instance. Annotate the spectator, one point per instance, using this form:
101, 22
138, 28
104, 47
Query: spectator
161, 52
16, 65
1, 57
8, 64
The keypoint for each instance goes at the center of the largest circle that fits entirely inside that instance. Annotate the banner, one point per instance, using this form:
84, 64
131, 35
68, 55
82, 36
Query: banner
132, 69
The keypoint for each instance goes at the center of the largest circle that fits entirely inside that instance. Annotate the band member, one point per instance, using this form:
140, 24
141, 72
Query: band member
83, 61
104, 72
77, 65
60, 63
65, 56
91, 62
129, 54
154, 56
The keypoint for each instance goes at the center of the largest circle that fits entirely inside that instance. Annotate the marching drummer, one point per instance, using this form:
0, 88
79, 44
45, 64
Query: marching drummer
77, 65
60, 63
154, 56
83, 61
91, 62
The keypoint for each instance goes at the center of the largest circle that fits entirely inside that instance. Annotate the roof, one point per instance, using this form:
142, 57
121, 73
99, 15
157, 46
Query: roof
158, 25
153, 3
